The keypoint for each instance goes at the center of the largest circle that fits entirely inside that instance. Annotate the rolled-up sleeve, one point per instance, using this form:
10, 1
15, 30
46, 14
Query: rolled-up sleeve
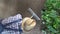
11, 19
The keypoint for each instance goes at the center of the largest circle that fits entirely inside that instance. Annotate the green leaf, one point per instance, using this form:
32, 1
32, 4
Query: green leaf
52, 29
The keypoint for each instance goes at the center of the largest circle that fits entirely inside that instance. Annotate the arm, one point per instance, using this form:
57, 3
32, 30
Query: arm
11, 19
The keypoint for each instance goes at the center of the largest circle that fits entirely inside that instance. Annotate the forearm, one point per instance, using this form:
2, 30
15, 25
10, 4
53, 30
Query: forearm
11, 19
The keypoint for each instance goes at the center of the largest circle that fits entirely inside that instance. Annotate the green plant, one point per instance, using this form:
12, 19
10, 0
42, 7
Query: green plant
51, 16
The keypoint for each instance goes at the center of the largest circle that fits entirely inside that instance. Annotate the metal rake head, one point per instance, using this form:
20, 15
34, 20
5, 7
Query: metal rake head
33, 14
